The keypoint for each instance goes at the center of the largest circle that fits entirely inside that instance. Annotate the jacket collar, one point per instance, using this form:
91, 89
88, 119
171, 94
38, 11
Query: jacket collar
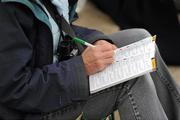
38, 12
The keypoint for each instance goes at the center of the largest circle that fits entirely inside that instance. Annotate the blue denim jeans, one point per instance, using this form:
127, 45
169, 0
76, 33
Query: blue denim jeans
154, 96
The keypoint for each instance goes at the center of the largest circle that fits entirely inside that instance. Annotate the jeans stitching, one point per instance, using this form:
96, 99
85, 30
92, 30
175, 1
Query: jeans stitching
169, 86
133, 103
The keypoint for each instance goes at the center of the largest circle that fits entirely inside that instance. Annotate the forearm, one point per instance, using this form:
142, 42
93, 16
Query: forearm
90, 35
43, 90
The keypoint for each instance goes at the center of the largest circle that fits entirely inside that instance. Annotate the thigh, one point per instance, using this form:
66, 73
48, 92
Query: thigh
98, 106
101, 104
167, 89
140, 101
129, 36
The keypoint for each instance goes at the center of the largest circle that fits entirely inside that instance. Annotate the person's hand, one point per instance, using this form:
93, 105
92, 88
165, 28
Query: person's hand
98, 58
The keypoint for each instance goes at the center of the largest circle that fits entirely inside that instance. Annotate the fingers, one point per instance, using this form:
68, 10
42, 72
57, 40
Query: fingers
106, 46
99, 54
108, 61
108, 54
114, 47
102, 64
98, 58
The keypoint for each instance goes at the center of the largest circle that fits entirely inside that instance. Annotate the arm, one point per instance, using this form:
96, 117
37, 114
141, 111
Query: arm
90, 35
30, 89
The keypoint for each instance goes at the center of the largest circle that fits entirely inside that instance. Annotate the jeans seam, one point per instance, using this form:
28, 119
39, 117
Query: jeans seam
133, 103
169, 86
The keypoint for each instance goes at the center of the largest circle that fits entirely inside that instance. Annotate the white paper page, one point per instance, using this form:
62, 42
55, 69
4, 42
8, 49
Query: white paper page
130, 61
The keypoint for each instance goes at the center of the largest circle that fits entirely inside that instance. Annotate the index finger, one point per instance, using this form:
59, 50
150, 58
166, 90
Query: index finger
107, 47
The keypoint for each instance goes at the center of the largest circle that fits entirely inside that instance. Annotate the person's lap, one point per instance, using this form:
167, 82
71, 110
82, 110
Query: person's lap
135, 99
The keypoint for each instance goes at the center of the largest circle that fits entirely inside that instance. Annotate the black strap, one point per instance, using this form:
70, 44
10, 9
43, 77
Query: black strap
61, 22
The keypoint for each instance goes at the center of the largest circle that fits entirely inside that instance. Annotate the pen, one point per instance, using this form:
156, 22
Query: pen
78, 40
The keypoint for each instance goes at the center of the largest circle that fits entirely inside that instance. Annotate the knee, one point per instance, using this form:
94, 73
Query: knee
129, 36
136, 34
140, 32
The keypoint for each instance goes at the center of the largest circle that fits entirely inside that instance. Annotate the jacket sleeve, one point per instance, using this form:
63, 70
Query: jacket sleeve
90, 35
29, 89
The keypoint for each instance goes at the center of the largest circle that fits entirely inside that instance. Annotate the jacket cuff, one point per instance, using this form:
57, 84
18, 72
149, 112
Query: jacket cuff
94, 36
80, 84
90, 35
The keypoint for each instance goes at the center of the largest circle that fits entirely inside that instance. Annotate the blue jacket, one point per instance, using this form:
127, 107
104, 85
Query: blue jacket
31, 85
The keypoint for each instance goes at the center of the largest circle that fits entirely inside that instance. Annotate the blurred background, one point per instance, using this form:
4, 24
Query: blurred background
93, 14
